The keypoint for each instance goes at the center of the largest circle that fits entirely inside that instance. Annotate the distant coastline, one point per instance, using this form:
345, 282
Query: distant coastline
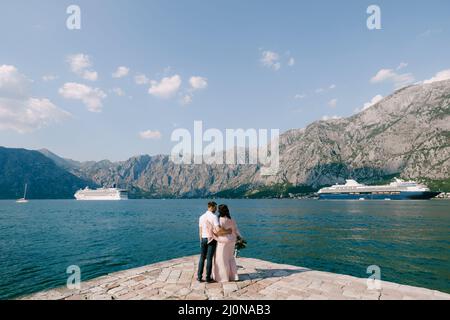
51, 177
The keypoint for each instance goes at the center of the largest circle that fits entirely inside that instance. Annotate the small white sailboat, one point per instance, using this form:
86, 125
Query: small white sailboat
24, 199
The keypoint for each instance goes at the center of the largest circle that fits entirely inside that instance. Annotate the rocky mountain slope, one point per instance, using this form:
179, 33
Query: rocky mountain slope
406, 134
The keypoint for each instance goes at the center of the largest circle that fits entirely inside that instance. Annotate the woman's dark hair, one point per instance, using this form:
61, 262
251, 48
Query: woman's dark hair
224, 212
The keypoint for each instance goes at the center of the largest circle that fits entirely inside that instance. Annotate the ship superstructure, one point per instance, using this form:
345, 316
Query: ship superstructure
101, 194
396, 190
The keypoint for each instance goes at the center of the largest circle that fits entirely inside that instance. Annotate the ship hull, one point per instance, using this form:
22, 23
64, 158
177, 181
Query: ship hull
101, 195
419, 195
97, 198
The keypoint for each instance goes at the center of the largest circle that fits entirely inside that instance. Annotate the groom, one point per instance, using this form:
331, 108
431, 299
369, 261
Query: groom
209, 229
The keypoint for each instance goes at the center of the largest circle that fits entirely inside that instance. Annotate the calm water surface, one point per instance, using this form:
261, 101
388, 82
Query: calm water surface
410, 241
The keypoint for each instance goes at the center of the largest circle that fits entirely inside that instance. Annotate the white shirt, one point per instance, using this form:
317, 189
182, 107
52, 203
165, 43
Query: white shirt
208, 217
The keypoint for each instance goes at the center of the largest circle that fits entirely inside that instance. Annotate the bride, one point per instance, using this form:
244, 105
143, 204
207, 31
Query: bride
225, 268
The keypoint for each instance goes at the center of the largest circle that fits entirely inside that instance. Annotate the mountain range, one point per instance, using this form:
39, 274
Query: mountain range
45, 179
406, 134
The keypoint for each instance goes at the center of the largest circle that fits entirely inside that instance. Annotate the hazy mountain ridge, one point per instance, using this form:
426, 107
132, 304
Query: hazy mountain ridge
45, 179
406, 134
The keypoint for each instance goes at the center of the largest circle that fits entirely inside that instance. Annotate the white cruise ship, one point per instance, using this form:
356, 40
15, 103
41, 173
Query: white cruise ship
101, 194
397, 190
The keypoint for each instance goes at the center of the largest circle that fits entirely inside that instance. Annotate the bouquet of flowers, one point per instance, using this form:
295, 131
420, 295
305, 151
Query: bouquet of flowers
241, 243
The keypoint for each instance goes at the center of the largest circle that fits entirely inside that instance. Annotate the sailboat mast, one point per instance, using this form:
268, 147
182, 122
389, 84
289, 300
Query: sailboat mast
25, 193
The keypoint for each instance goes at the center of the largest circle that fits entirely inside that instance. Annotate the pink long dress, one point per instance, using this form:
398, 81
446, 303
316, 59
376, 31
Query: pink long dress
225, 268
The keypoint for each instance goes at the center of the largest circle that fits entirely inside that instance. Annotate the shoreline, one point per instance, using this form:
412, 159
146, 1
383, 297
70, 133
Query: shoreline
205, 199
259, 280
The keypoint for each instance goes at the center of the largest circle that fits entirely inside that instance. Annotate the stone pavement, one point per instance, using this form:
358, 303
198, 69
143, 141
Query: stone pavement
259, 280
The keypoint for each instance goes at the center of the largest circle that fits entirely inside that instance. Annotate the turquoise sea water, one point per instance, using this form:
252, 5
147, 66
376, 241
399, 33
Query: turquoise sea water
409, 241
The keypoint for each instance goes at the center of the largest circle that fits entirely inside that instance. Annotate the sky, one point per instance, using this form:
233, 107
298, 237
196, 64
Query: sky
137, 70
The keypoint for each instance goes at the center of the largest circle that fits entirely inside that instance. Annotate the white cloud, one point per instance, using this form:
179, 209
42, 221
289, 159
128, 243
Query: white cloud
300, 96
333, 103
12, 83
79, 64
28, 115
91, 97
49, 77
271, 60
440, 76
291, 62
186, 100
402, 65
322, 90
399, 80
121, 72
429, 33
149, 134
198, 83
372, 102
18, 110
383, 75
166, 88
118, 91
141, 79
90, 75
326, 118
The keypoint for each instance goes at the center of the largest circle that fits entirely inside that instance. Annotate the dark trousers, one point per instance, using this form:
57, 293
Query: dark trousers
207, 252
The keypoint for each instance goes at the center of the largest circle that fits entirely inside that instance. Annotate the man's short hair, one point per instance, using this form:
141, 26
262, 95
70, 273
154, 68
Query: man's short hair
212, 204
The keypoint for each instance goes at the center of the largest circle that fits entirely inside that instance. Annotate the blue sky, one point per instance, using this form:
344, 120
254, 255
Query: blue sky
231, 64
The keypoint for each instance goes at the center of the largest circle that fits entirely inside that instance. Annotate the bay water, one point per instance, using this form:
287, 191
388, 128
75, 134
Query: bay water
408, 240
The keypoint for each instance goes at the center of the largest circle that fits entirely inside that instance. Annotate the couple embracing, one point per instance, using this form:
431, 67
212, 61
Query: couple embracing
218, 234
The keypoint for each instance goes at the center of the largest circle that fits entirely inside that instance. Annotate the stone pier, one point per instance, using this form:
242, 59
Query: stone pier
259, 280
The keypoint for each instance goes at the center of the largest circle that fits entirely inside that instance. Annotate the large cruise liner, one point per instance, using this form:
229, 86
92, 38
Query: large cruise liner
397, 190
101, 194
